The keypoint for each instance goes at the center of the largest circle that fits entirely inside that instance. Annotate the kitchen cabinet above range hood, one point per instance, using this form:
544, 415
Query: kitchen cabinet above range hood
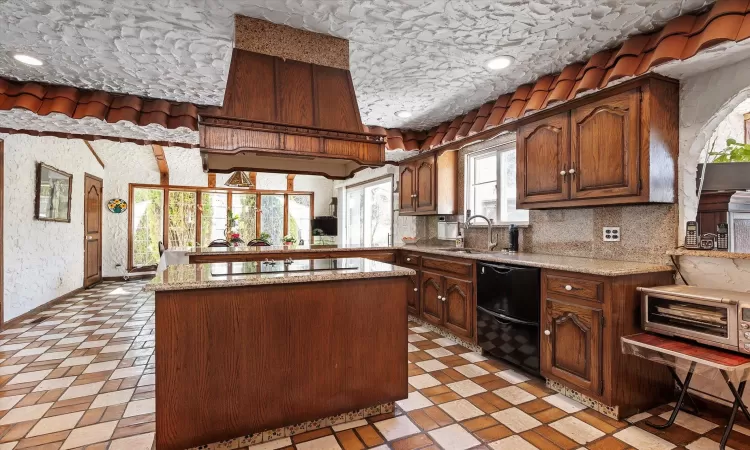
287, 115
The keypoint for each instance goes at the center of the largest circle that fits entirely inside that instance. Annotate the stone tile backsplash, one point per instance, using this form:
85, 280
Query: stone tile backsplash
647, 231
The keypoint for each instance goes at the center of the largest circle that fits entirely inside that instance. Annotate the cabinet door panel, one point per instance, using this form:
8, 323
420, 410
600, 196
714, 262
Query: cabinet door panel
605, 147
458, 307
412, 298
426, 185
573, 349
407, 180
543, 151
431, 295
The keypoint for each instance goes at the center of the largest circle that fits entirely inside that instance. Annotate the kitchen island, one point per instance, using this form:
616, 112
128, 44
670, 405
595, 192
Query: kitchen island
248, 347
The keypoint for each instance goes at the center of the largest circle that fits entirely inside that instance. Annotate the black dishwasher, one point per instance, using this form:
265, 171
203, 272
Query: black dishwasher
508, 301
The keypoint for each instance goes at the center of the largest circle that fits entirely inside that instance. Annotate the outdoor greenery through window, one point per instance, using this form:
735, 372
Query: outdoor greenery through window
486, 194
369, 213
198, 216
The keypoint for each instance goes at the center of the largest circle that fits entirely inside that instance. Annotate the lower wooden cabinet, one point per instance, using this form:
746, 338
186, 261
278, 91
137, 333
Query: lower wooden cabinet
583, 318
573, 343
412, 298
432, 298
458, 306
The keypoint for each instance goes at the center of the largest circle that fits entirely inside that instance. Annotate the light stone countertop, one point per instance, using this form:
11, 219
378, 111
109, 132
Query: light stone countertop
214, 275
605, 267
708, 253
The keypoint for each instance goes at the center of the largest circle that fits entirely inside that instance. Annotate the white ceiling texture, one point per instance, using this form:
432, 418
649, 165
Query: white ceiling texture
424, 56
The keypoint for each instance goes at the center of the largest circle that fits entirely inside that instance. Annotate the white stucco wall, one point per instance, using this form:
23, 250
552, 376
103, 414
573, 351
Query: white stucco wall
43, 260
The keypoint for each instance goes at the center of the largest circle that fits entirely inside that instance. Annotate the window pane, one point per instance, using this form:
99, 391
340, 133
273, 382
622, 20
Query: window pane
485, 200
272, 217
485, 168
508, 191
213, 216
354, 214
378, 214
181, 218
148, 225
245, 206
299, 217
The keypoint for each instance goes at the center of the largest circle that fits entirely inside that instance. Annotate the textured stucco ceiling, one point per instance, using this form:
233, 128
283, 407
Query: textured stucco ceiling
426, 56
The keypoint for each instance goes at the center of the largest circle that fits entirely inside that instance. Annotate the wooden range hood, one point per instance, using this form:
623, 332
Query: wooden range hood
285, 115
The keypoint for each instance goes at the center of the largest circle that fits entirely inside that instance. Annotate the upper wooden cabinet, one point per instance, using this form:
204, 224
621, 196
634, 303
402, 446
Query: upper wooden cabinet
617, 147
428, 184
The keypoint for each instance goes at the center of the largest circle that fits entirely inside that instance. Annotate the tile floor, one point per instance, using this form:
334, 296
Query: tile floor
83, 378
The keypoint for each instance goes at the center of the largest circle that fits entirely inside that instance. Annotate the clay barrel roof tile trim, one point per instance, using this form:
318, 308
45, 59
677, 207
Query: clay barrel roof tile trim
466, 124
482, 115
452, 130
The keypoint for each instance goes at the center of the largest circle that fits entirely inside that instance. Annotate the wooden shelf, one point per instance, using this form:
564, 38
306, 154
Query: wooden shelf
708, 253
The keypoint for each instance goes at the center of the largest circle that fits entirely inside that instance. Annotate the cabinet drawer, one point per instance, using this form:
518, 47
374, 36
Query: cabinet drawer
410, 259
576, 287
454, 267
379, 256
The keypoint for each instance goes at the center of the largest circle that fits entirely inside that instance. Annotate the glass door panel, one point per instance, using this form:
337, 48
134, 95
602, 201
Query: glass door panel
182, 218
299, 217
213, 217
245, 206
148, 225
355, 204
378, 214
272, 217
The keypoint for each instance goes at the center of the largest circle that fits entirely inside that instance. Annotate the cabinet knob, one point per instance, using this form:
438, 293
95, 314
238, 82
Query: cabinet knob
568, 287
572, 171
408, 259
415, 289
563, 173
547, 332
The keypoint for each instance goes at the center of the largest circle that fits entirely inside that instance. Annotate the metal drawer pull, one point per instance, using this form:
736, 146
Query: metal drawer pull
568, 287
408, 259
415, 289
547, 332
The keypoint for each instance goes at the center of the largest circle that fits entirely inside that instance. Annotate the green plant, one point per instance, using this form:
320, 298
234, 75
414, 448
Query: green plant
289, 239
265, 237
233, 219
734, 152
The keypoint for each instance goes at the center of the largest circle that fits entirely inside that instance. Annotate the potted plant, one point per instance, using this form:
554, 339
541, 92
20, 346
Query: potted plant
728, 168
289, 240
265, 237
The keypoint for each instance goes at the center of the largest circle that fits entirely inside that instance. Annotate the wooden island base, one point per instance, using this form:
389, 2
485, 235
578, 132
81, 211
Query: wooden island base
238, 360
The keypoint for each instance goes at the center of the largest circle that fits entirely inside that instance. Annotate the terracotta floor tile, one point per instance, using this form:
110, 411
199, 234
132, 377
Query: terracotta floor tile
422, 420
310, 435
37, 441
492, 434
550, 415
534, 406
443, 398
556, 437
369, 436
438, 415
484, 405
539, 441
607, 443
479, 423
436, 390
674, 434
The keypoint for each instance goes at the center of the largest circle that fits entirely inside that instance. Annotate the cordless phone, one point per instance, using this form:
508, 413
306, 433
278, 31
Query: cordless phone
722, 236
692, 239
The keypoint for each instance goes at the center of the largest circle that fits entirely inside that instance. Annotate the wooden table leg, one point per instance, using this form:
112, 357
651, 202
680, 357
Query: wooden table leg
680, 401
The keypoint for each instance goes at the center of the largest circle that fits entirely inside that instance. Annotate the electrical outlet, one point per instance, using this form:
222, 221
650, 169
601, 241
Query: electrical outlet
611, 234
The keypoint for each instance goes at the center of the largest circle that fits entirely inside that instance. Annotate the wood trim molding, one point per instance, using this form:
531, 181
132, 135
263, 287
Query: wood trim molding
254, 179
290, 182
31, 313
93, 152
211, 180
161, 161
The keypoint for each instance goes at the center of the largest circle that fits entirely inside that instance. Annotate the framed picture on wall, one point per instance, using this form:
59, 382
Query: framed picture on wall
53, 194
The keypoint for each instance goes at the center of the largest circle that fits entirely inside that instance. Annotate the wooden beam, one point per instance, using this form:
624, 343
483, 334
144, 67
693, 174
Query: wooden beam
211, 180
161, 161
290, 182
253, 178
93, 152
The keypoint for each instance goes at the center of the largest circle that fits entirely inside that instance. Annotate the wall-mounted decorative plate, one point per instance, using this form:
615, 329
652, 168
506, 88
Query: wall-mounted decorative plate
117, 205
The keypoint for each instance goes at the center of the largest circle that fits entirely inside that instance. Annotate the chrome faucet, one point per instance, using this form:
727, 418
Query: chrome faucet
490, 245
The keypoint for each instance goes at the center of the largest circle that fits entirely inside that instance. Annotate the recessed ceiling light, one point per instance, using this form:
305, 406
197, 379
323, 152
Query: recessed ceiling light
29, 60
403, 114
499, 63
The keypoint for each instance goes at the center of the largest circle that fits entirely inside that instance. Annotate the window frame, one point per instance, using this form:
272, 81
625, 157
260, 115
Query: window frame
199, 190
469, 185
361, 186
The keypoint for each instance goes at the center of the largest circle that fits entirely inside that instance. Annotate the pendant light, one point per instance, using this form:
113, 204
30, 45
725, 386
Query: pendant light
239, 179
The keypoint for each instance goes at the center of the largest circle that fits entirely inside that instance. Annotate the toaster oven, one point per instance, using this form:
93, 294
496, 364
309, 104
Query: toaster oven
715, 317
